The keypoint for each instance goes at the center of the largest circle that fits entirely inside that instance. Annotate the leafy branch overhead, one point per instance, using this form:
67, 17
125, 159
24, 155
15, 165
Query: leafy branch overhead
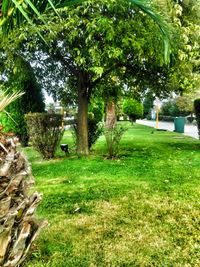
92, 39
13, 13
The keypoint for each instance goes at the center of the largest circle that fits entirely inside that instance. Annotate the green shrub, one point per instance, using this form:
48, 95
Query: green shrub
95, 129
97, 108
172, 108
197, 113
14, 121
22, 79
45, 132
95, 117
133, 108
148, 105
113, 137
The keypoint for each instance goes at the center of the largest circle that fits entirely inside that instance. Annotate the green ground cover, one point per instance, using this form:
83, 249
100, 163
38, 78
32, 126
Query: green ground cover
142, 209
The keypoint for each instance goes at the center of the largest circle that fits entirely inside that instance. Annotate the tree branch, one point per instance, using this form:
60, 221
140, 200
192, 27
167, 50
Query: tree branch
67, 62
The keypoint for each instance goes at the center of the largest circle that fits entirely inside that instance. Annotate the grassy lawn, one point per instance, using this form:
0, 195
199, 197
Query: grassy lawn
142, 209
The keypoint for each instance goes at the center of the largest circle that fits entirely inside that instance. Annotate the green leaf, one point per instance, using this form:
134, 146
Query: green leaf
53, 7
18, 6
35, 10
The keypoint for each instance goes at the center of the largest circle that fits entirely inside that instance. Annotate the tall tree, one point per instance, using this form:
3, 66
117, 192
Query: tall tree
96, 37
185, 64
17, 76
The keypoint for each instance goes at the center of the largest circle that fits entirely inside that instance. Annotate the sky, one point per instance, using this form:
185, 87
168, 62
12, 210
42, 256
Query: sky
48, 98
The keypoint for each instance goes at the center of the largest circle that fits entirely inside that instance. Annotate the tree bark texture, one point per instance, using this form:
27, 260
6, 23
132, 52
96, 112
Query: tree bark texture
110, 115
110, 126
82, 131
18, 228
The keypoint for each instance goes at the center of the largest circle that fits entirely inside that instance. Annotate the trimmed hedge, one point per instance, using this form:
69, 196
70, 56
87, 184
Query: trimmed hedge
45, 132
197, 113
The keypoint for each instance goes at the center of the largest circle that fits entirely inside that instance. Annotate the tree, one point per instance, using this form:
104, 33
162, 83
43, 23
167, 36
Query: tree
185, 104
93, 39
133, 108
20, 77
184, 70
18, 228
148, 103
170, 108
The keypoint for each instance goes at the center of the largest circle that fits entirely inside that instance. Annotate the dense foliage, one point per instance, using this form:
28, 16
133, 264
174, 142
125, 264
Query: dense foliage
148, 104
90, 41
45, 132
20, 77
185, 20
95, 122
172, 108
133, 108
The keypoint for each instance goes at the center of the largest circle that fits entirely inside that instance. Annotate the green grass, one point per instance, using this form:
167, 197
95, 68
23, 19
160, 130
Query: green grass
141, 209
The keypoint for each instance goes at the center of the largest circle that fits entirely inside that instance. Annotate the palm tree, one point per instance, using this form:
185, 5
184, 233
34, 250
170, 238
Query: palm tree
17, 227
6, 99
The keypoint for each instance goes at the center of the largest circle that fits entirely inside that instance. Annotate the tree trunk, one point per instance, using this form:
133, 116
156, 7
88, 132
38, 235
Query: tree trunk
82, 127
109, 126
110, 115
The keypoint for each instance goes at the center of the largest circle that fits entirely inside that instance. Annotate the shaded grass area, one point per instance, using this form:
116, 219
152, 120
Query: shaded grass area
141, 209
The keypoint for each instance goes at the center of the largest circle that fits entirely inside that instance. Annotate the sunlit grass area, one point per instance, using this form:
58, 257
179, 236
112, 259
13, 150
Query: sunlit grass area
141, 209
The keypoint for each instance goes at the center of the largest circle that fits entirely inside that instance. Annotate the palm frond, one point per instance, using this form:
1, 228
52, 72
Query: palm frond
164, 29
15, 7
53, 7
11, 7
6, 99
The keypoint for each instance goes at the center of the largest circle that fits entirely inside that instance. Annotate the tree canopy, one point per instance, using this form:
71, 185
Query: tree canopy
91, 40
88, 43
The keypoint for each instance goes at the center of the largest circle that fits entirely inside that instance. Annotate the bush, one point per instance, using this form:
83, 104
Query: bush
95, 129
148, 117
95, 126
97, 108
197, 113
113, 137
148, 105
133, 108
171, 108
45, 132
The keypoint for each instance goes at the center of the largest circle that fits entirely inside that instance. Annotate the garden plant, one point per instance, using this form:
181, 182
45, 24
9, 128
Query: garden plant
45, 131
